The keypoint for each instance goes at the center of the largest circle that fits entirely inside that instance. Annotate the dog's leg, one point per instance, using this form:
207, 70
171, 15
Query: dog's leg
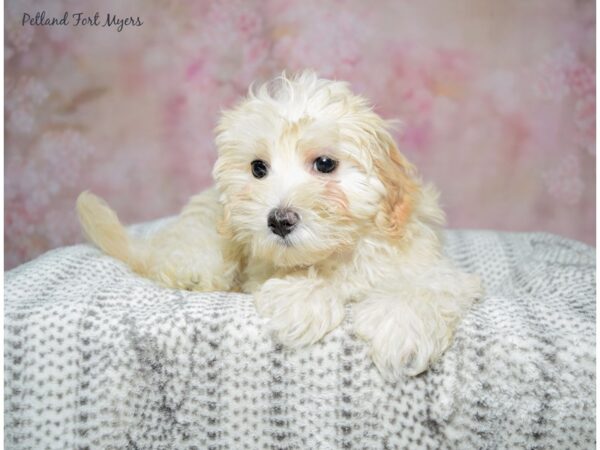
187, 253
408, 323
302, 309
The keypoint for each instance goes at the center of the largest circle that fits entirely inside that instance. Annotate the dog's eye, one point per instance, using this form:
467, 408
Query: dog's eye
259, 168
324, 164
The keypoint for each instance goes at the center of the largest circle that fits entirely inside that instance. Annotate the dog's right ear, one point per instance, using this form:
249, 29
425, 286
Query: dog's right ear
402, 187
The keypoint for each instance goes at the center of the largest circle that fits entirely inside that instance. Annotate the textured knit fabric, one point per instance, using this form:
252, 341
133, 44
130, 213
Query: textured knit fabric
97, 357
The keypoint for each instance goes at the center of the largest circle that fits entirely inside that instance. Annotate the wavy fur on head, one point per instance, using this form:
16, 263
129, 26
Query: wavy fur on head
367, 232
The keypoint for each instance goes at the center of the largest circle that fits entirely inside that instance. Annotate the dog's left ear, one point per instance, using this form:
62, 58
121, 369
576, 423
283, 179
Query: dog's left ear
402, 187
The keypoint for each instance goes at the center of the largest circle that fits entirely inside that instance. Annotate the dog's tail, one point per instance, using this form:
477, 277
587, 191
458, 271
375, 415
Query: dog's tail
102, 227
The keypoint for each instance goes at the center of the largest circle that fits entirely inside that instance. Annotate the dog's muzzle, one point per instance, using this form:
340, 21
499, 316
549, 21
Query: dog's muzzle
282, 221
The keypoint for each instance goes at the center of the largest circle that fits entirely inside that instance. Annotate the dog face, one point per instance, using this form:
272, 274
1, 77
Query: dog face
305, 169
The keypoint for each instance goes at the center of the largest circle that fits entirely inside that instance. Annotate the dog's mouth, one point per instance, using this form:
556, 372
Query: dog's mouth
286, 242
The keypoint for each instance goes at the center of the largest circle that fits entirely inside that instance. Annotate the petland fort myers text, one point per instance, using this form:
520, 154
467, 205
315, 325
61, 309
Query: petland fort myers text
80, 19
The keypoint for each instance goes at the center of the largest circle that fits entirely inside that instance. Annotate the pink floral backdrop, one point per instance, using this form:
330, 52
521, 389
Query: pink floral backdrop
498, 101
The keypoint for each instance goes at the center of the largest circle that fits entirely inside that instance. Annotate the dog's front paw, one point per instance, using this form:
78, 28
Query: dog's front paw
302, 310
403, 340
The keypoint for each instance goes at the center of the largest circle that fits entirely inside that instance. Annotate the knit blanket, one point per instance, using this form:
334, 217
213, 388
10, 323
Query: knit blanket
97, 357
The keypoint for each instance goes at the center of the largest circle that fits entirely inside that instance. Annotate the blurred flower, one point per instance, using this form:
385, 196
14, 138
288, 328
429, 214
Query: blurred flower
552, 82
581, 80
585, 122
564, 182
321, 36
22, 101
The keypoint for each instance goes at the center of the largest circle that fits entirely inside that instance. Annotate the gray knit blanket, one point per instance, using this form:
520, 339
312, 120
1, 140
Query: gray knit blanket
97, 357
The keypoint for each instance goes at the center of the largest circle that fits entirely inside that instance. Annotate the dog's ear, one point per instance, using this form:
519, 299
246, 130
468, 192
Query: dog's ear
401, 185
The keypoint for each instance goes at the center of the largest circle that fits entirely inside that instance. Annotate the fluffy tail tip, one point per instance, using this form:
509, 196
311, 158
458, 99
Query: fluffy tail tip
102, 226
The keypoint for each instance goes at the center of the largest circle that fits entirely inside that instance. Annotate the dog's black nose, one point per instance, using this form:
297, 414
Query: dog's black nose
282, 221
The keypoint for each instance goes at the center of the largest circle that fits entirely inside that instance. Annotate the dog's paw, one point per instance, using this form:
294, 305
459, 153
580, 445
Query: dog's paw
192, 271
403, 340
301, 310
181, 277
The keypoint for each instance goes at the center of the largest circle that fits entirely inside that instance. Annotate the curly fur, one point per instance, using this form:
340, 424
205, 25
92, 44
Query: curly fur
368, 231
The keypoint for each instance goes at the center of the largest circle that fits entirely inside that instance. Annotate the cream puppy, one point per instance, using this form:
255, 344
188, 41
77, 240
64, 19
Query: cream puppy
314, 207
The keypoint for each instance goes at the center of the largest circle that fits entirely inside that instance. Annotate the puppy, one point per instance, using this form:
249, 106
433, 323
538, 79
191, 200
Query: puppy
313, 208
